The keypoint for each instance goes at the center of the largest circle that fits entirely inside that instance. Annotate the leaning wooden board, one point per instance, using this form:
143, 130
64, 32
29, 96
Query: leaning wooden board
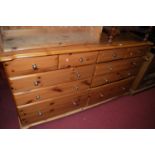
50, 83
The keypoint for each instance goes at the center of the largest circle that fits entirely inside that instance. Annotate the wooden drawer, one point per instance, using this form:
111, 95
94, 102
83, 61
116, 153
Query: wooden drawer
112, 77
110, 90
34, 81
25, 66
51, 92
116, 66
116, 54
50, 108
69, 60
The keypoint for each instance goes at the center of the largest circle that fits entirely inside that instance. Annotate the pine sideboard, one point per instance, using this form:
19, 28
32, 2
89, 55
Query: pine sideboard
54, 82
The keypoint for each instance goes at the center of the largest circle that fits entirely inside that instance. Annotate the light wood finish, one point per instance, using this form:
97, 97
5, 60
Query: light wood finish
51, 108
16, 54
69, 60
116, 54
34, 81
110, 90
112, 77
116, 66
51, 82
51, 92
31, 65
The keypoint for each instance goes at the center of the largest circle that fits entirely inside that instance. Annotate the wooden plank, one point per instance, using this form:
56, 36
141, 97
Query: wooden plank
15, 54
142, 71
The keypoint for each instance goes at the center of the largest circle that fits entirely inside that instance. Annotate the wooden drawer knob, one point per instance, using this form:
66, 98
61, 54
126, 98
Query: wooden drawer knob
75, 103
38, 97
134, 63
101, 95
39, 113
34, 67
114, 55
106, 80
131, 53
123, 88
78, 75
36, 83
76, 88
129, 73
81, 60
110, 68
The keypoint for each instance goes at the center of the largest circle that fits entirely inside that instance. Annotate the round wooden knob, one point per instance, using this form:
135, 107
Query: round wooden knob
129, 73
81, 59
114, 55
34, 67
67, 59
123, 88
77, 75
101, 95
76, 88
39, 113
106, 80
131, 54
134, 63
36, 83
37, 97
110, 68
75, 103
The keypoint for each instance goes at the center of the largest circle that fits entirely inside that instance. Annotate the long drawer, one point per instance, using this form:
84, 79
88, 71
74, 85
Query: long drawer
112, 77
25, 66
116, 66
52, 107
76, 87
34, 81
116, 54
110, 90
70, 60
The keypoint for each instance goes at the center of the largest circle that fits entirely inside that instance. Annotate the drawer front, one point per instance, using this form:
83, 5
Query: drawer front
25, 66
50, 108
110, 90
116, 54
112, 77
34, 81
116, 66
52, 92
69, 60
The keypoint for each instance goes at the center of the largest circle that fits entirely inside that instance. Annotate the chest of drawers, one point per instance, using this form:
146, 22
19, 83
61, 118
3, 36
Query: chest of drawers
58, 83
48, 83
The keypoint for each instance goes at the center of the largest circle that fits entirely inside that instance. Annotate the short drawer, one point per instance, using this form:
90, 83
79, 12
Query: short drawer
69, 60
110, 90
38, 80
118, 65
116, 54
25, 66
76, 87
50, 108
112, 77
